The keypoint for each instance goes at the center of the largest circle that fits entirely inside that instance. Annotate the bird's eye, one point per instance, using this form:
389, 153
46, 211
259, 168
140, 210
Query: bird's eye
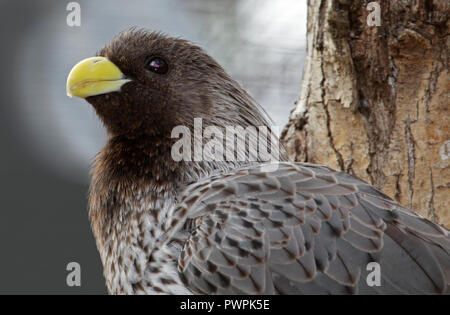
158, 65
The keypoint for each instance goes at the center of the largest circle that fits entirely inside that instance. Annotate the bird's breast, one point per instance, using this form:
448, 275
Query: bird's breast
126, 240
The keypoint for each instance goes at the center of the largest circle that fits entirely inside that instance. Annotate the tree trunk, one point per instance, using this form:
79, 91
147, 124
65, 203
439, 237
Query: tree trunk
374, 100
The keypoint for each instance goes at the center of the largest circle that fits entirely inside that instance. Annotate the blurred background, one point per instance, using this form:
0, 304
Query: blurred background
47, 140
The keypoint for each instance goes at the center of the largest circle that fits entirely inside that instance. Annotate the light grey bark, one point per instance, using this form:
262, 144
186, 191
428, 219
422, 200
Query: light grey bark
374, 99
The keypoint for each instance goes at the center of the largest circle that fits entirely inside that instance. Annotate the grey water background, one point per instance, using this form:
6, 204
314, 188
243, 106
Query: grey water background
47, 141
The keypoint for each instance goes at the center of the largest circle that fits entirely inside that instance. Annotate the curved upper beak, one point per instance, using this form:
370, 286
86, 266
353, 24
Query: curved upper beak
94, 76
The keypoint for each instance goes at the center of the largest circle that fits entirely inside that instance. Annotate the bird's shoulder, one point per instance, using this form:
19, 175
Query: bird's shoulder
299, 227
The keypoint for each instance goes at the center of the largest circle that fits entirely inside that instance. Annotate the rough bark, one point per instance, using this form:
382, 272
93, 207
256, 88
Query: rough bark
375, 99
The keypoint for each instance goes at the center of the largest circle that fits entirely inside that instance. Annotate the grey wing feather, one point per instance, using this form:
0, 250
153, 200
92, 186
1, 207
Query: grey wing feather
306, 229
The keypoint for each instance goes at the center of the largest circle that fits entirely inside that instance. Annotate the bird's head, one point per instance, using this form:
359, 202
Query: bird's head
147, 83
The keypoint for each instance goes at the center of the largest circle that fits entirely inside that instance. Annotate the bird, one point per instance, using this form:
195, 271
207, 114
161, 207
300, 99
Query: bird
236, 224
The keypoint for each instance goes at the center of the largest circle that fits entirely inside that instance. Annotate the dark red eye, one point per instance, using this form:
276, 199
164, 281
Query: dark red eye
158, 65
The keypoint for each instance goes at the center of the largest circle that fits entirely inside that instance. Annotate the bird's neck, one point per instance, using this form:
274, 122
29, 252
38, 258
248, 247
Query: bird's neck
131, 191
135, 184
131, 176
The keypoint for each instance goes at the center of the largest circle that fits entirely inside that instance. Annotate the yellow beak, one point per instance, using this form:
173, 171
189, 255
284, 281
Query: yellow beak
94, 76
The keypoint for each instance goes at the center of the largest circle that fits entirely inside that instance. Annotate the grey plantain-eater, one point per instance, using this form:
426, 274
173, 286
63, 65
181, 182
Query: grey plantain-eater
239, 225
